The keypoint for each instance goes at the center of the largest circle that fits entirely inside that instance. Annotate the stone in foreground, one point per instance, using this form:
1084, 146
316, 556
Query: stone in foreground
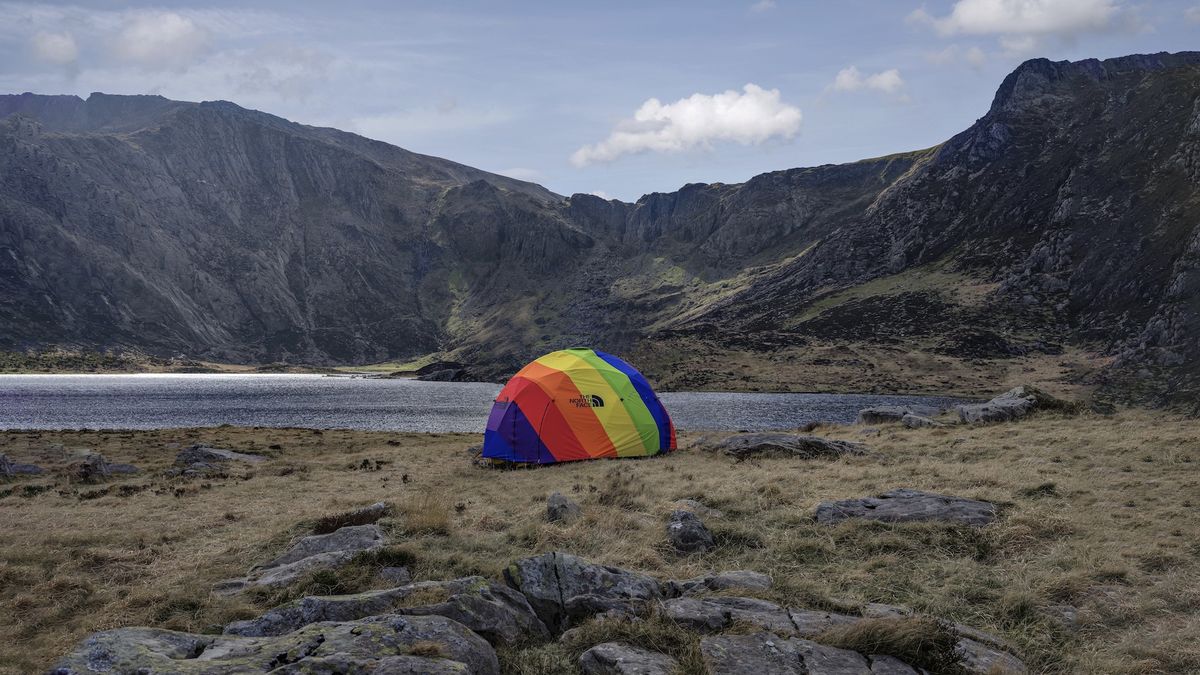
1011, 405
563, 588
688, 534
380, 644
903, 505
614, 658
498, 613
777, 444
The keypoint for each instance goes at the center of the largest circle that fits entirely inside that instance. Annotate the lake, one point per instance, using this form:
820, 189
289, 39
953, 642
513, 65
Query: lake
150, 401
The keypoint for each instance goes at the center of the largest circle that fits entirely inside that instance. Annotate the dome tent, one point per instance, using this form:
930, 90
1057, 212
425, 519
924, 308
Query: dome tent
576, 404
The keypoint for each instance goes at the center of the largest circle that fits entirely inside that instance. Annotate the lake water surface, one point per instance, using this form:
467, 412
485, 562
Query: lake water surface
150, 401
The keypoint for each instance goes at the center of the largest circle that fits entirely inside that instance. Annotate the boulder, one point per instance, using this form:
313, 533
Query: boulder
769, 653
720, 581
881, 664
498, 613
614, 658
562, 588
560, 508
379, 644
199, 453
772, 444
903, 505
10, 469
889, 414
88, 467
688, 534
320, 551
919, 421
1011, 405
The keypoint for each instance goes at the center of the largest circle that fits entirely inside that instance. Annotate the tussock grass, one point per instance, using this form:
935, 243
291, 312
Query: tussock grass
919, 641
1117, 539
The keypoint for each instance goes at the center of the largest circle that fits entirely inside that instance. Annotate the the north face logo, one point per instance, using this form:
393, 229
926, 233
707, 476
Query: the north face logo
588, 401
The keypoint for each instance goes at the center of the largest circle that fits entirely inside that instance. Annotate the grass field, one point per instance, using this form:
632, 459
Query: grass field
1097, 512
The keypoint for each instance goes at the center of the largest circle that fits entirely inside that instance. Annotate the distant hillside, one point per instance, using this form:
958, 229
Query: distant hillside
1055, 239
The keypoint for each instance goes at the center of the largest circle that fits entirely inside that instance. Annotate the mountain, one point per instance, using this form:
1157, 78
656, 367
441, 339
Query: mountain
1057, 238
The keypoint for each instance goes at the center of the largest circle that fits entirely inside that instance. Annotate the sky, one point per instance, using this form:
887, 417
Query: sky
612, 98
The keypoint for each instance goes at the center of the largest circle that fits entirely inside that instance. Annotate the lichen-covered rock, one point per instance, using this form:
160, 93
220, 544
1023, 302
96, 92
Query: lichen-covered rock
904, 505
614, 658
320, 551
563, 588
719, 581
688, 534
769, 653
379, 644
560, 508
769, 444
498, 613
198, 452
717, 613
1011, 405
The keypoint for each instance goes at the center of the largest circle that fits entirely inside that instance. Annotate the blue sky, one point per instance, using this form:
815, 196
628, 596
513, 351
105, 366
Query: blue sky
616, 98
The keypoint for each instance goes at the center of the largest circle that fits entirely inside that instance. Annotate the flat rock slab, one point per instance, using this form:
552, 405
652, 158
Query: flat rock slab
903, 505
380, 644
919, 422
777, 444
497, 613
321, 551
563, 588
614, 658
769, 653
10, 469
712, 614
207, 454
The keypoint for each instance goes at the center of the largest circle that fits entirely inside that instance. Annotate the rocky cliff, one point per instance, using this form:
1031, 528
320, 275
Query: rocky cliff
1061, 226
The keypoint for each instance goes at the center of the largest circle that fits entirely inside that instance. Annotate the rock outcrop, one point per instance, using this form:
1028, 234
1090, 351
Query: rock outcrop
316, 552
563, 589
904, 505
379, 644
198, 460
1011, 405
884, 414
498, 613
780, 444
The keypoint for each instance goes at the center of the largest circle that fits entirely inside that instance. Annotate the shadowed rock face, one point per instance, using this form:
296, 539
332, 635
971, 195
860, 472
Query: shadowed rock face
903, 505
225, 233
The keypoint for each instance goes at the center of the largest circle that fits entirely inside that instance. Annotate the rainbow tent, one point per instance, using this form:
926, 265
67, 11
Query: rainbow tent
577, 404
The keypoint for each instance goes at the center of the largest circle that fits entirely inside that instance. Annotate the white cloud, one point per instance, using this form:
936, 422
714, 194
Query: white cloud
1021, 24
954, 54
160, 40
57, 48
850, 79
522, 173
749, 117
1192, 14
763, 6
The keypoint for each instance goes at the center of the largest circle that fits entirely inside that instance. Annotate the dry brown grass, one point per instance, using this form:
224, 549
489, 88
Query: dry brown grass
1116, 535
